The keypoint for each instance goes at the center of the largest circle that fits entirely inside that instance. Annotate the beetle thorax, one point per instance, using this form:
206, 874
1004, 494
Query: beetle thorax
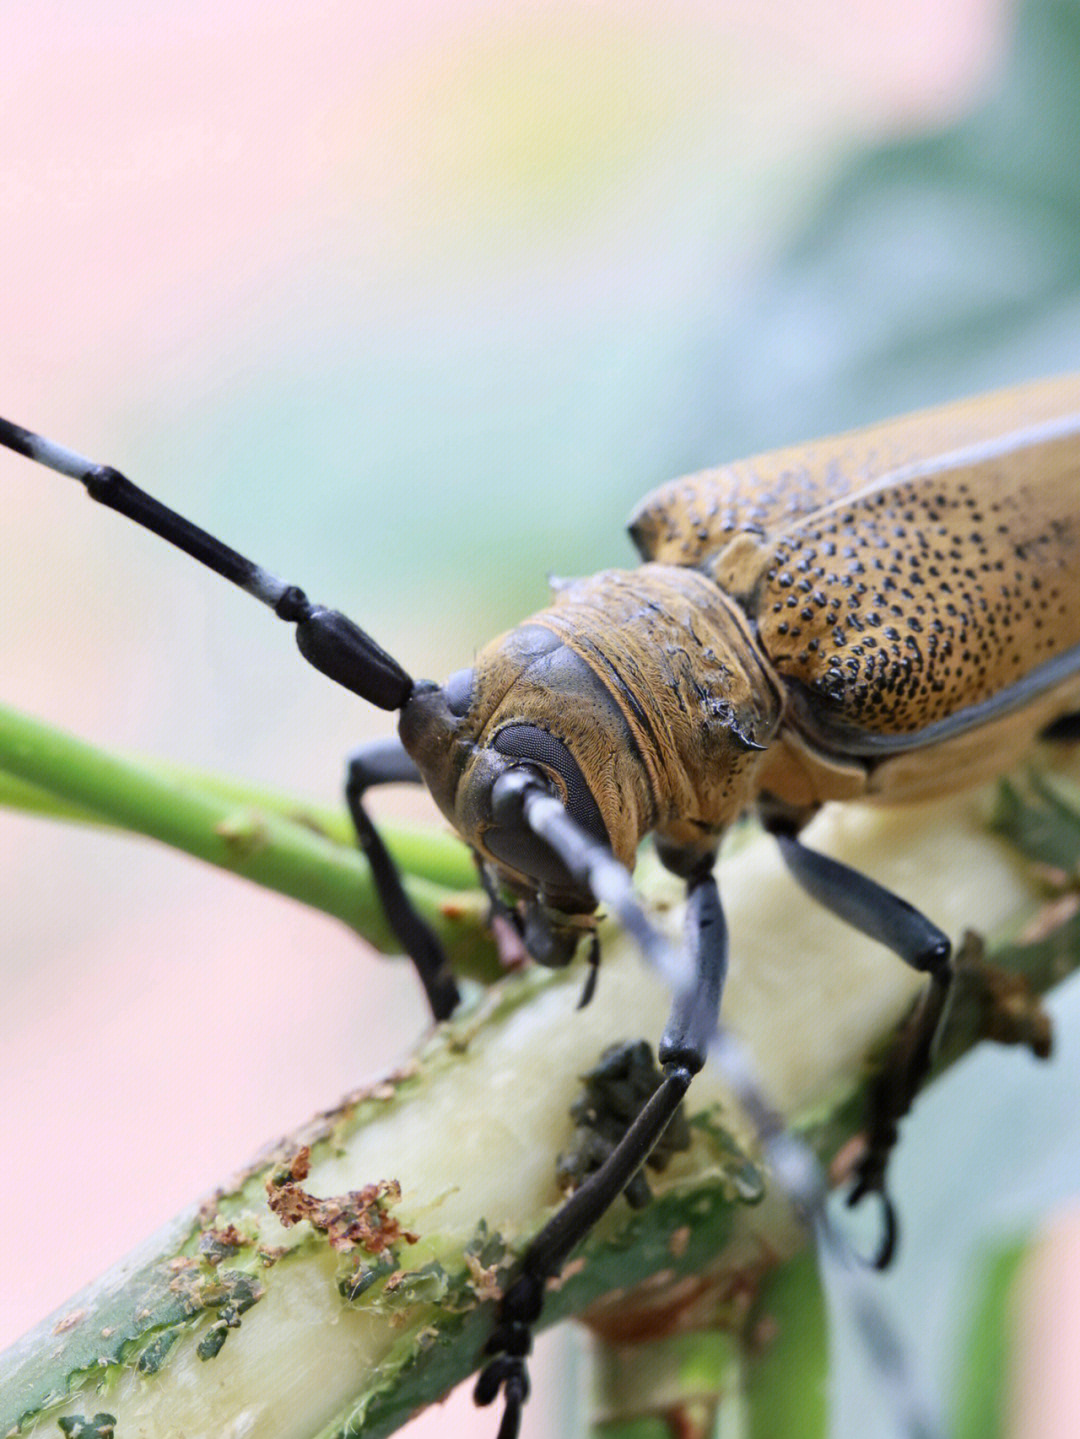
697, 699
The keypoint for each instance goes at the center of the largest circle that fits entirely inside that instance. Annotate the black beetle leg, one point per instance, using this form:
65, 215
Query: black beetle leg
883, 916
682, 1053
385, 761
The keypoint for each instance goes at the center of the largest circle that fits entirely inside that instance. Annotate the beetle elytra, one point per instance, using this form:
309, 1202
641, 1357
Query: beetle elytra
887, 615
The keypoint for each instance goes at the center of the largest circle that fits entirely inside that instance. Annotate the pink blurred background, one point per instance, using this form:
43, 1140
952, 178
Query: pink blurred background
220, 229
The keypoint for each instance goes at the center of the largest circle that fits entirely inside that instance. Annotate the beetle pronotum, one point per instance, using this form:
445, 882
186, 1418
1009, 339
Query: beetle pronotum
887, 615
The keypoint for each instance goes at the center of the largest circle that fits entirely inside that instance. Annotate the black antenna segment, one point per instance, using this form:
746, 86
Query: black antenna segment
326, 638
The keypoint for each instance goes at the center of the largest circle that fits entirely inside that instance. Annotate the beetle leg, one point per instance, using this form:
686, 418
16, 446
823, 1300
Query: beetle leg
385, 761
692, 1021
682, 1053
884, 916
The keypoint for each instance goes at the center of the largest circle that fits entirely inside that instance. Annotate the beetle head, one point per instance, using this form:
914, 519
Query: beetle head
530, 706
638, 699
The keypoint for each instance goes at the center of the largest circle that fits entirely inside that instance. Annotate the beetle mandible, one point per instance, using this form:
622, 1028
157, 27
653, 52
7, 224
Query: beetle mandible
887, 615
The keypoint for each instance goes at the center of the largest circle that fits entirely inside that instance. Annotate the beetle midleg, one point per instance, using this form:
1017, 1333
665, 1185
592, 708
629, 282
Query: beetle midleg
683, 1047
385, 761
692, 1021
893, 922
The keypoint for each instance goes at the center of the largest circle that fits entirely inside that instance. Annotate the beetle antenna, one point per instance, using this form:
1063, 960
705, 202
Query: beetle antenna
327, 639
794, 1165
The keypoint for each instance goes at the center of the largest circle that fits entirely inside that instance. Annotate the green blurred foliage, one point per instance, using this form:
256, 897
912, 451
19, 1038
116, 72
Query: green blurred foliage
980, 1398
786, 1382
931, 267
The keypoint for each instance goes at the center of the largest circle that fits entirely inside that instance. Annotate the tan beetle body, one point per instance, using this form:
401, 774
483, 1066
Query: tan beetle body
937, 570
891, 613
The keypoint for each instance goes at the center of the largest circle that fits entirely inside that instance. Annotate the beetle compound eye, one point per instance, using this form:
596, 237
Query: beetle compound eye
538, 746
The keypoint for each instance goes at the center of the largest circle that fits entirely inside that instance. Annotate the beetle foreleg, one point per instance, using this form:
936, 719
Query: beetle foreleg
386, 762
682, 1053
892, 921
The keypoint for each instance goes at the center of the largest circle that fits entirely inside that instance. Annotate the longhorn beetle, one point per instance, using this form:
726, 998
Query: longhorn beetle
887, 615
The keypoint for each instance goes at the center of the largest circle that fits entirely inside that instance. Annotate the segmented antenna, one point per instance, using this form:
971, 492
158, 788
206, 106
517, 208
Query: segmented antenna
327, 639
794, 1165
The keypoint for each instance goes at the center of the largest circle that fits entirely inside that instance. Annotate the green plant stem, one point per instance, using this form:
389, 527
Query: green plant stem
262, 836
642, 1390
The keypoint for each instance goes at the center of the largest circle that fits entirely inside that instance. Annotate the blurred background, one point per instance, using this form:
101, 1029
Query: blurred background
412, 304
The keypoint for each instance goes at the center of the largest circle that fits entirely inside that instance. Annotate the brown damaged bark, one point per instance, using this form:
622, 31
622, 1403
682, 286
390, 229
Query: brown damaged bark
359, 1219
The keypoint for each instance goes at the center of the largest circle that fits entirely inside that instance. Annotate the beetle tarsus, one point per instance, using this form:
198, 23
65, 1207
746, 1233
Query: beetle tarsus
892, 921
510, 1345
521, 1305
891, 1096
890, 1225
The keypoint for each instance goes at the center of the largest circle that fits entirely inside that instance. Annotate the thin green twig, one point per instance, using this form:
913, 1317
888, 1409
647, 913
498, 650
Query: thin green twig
297, 849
